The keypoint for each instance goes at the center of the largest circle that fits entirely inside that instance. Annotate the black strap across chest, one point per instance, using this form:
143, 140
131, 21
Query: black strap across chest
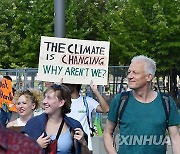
60, 129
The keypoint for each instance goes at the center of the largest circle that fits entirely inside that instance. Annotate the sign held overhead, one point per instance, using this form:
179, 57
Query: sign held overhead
76, 61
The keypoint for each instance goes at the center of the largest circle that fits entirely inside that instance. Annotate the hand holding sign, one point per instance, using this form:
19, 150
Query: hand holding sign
93, 87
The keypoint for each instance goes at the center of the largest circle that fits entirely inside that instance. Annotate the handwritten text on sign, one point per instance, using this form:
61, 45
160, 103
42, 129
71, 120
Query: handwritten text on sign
76, 61
6, 95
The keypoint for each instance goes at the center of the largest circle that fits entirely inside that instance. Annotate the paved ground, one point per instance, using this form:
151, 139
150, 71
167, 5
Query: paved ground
98, 146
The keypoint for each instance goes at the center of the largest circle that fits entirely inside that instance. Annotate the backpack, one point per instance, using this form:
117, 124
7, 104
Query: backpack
87, 114
124, 100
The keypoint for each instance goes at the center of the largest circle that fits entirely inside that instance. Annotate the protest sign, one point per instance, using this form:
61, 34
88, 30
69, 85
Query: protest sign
6, 95
76, 61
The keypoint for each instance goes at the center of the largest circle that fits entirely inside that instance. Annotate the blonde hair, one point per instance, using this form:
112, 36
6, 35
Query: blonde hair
35, 96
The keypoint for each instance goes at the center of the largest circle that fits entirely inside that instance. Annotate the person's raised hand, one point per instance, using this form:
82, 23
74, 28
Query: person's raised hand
93, 87
61, 81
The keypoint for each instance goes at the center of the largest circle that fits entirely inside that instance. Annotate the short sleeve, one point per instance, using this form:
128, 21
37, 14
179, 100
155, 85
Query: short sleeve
92, 104
174, 117
113, 111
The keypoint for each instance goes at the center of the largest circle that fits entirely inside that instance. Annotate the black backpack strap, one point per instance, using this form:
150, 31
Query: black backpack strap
121, 107
166, 105
122, 104
87, 114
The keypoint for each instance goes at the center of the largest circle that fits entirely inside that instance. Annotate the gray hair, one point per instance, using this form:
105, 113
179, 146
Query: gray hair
150, 65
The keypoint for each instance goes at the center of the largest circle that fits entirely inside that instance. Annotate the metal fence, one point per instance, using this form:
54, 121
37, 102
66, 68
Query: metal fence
22, 78
26, 78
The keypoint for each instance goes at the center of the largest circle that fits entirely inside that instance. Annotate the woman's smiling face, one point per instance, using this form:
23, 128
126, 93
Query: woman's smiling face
25, 106
51, 102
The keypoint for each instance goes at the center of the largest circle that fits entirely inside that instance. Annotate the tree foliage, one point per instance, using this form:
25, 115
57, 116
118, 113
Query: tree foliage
148, 27
22, 25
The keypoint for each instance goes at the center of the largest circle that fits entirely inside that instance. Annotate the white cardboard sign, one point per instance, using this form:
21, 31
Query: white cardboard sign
76, 61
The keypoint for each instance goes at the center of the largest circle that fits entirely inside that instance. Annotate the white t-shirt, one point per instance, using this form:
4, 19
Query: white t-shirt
78, 112
20, 123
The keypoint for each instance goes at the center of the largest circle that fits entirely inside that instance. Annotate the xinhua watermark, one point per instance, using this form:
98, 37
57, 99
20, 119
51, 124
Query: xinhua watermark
142, 140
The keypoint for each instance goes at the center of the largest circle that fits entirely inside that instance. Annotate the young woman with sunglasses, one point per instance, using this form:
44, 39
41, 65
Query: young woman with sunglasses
44, 128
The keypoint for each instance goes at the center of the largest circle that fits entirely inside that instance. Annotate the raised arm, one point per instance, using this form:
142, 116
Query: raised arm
108, 137
175, 139
103, 105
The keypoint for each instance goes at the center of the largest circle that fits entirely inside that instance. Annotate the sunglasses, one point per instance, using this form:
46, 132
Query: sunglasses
57, 87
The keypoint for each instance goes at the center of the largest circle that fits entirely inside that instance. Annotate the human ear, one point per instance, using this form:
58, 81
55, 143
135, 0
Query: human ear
33, 106
149, 77
61, 102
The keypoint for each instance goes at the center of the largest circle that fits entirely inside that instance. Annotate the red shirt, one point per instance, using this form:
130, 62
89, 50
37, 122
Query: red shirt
12, 142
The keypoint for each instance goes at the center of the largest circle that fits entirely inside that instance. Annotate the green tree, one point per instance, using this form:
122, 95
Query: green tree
148, 27
22, 25
37, 20
8, 36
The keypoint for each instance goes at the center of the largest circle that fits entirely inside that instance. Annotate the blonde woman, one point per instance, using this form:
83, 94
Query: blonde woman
26, 102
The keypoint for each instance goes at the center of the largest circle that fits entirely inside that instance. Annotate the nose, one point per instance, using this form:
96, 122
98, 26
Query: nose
44, 100
129, 75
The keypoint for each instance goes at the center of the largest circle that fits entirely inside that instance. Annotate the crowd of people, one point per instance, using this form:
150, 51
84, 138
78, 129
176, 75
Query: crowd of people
65, 126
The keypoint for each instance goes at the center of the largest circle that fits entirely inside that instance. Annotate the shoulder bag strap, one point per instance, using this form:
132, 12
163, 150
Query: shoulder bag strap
122, 104
87, 114
60, 129
87, 110
166, 106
